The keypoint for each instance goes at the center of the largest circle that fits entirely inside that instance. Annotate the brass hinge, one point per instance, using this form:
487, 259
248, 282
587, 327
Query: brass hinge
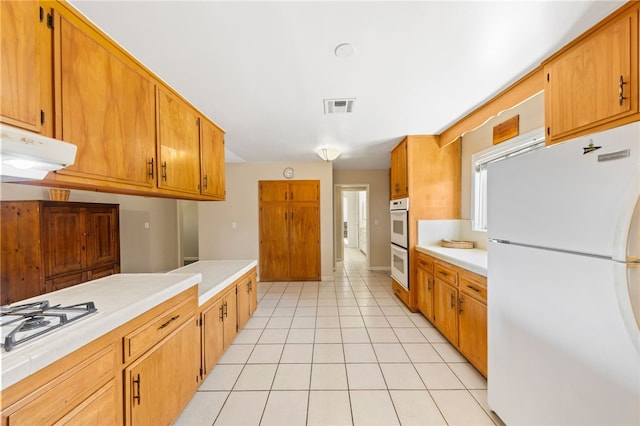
41, 14
50, 20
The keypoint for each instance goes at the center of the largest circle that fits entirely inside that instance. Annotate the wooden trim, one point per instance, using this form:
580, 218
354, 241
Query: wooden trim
524, 88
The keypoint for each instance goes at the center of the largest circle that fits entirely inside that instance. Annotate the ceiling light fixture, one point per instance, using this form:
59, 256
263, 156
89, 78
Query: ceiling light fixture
328, 154
344, 50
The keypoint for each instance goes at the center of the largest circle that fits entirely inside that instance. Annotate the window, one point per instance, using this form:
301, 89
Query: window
479, 161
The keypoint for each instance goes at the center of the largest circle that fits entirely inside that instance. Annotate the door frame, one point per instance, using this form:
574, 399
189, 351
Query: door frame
338, 240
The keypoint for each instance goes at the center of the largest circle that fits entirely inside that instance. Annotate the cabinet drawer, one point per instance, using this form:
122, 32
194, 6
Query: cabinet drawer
70, 391
445, 274
137, 342
424, 262
473, 289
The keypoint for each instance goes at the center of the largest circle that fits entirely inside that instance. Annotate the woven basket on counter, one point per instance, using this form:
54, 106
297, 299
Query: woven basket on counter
457, 244
59, 194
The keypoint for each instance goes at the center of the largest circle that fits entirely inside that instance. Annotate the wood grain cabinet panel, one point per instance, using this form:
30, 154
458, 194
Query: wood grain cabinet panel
247, 298
399, 176
445, 310
162, 381
212, 160
289, 230
593, 82
49, 245
19, 73
219, 319
106, 106
178, 144
424, 285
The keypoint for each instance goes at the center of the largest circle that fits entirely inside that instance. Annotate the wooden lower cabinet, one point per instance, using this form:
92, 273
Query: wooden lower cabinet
445, 313
247, 289
162, 381
84, 394
455, 301
219, 324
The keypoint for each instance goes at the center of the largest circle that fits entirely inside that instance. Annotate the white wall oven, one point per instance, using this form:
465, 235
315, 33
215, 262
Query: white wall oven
399, 210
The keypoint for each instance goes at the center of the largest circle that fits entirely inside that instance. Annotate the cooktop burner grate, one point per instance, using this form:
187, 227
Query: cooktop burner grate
22, 323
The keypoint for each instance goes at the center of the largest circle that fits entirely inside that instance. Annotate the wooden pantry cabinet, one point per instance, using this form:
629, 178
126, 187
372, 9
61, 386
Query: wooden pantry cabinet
67, 79
455, 301
431, 176
289, 230
49, 245
592, 83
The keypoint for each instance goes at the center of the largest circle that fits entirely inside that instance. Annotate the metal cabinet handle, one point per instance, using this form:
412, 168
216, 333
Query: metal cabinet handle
226, 312
291, 195
164, 170
151, 169
221, 309
428, 283
621, 96
206, 182
453, 301
460, 300
169, 322
136, 394
473, 288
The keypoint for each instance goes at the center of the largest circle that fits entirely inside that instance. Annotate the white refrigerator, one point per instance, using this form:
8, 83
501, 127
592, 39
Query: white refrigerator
564, 282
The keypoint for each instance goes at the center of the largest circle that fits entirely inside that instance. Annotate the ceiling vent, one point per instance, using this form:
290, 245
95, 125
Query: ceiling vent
338, 106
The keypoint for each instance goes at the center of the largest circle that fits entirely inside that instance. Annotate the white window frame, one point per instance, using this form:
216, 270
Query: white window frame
520, 145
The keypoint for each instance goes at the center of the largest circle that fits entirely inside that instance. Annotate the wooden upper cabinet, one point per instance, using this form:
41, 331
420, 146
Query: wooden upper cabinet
20, 29
106, 108
593, 83
178, 144
399, 171
212, 160
274, 192
304, 191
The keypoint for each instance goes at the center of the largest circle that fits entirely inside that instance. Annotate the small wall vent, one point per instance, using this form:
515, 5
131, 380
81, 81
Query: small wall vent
338, 106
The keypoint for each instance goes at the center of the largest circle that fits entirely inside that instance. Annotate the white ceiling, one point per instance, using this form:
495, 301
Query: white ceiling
261, 70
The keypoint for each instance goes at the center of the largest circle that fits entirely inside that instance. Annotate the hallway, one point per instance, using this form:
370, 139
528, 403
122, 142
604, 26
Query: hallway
341, 352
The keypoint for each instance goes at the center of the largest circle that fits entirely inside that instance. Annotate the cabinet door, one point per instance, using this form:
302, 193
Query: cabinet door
103, 236
107, 108
253, 293
473, 331
583, 87
212, 160
304, 191
424, 290
178, 145
305, 242
274, 191
161, 382
19, 78
100, 409
64, 240
274, 242
445, 298
212, 335
21, 272
243, 302
230, 313
399, 176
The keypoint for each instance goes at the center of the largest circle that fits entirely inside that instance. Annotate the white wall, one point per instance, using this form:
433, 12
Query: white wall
141, 250
219, 240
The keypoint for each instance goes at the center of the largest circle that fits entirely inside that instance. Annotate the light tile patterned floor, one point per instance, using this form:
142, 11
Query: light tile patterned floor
342, 352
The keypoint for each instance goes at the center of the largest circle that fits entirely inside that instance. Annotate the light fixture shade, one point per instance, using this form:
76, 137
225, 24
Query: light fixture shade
327, 153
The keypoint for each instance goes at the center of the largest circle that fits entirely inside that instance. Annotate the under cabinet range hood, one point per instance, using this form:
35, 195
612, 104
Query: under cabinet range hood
30, 156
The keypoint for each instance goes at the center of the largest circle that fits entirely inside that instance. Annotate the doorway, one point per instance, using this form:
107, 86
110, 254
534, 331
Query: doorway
188, 232
351, 225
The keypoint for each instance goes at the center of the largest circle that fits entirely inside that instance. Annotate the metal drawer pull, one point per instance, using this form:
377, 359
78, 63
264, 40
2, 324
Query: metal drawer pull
136, 396
169, 322
460, 305
221, 313
621, 96
164, 170
453, 301
225, 310
151, 169
473, 288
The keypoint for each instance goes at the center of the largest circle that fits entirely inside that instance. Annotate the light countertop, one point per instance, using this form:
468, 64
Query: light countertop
119, 298
216, 275
474, 260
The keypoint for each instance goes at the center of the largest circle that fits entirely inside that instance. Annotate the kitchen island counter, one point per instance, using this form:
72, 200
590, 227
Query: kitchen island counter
474, 260
118, 299
216, 275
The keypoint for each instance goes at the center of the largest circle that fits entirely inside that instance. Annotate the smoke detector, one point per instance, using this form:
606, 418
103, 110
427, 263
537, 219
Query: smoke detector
339, 106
